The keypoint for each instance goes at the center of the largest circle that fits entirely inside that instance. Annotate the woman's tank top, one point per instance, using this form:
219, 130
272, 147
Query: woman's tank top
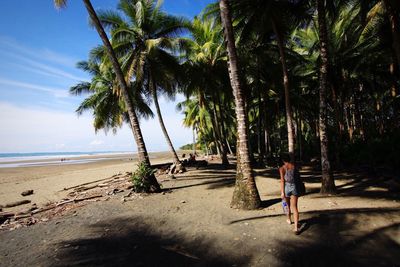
289, 175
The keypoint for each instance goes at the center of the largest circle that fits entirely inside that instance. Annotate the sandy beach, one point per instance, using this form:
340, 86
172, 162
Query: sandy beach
191, 223
49, 181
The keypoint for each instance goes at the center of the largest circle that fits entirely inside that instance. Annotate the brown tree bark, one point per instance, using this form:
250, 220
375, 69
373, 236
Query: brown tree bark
245, 195
137, 133
328, 183
394, 28
288, 107
176, 160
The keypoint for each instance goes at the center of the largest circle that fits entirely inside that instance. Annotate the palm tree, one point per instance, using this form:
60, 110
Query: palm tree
328, 183
274, 19
245, 195
206, 72
134, 122
105, 98
142, 36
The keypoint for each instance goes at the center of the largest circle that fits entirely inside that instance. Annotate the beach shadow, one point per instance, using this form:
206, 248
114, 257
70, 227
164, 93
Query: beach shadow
269, 202
133, 243
321, 213
336, 241
214, 184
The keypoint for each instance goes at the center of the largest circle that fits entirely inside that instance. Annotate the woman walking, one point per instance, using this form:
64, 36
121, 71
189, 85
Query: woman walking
289, 191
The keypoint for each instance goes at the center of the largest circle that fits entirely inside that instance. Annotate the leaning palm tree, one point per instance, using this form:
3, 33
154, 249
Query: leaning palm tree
104, 98
144, 37
133, 119
245, 195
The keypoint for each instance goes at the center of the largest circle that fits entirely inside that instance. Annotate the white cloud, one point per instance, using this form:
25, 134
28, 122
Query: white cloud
35, 129
96, 142
55, 92
39, 60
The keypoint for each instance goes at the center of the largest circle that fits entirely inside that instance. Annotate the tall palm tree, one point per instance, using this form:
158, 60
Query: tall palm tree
105, 98
328, 183
134, 122
143, 36
206, 71
273, 19
245, 195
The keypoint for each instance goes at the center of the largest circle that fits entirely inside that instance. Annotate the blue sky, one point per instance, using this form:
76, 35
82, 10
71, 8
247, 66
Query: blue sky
39, 48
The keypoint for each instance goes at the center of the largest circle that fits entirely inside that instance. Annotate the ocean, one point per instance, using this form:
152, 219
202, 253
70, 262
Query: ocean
10, 160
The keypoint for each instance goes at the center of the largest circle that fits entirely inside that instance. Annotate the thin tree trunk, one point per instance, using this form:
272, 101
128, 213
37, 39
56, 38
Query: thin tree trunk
260, 138
328, 183
194, 141
288, 107
395, 30
137, 133
221, 139
177, 162
245, 195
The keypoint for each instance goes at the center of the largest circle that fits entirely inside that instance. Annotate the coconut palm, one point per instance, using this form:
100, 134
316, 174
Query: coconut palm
144, 38
245, 195
207, 77
133, 119
105, 98
328, 184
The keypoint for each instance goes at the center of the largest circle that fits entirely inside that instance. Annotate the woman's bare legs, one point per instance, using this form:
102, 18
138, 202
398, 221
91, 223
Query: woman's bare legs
293, 207
289, 219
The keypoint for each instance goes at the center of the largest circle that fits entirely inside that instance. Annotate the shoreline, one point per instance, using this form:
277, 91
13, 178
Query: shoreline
48, 181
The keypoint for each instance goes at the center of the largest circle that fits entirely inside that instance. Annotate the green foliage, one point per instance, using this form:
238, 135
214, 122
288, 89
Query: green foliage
140, 178
187, 147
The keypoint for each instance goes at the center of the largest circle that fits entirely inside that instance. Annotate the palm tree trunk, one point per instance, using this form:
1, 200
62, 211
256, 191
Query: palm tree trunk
288, 107
395, 29
220, 137
328, 183
245, 195
137, 133
177, 162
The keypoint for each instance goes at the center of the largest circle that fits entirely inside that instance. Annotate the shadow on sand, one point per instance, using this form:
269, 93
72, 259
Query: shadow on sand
133, 243
335, 241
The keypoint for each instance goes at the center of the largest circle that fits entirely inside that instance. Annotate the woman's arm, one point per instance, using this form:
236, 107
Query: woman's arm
282, 174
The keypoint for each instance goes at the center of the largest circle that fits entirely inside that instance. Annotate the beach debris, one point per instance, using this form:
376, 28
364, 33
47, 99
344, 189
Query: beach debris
27, 192
6, 215
183, 201
27, 210
179, 250
99, 190
17, 203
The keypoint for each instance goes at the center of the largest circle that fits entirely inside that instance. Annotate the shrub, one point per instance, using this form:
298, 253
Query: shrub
139, 178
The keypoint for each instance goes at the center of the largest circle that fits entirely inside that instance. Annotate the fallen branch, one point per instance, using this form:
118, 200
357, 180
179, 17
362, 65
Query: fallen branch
101, 180
6, 214
81, 189
22, 216
17, 203
43, 209
90, 197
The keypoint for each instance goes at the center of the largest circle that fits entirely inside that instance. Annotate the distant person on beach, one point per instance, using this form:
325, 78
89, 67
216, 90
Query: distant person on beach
289, 191
192, 158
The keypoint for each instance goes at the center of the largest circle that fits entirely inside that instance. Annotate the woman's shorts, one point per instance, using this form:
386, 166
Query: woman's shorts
290, 189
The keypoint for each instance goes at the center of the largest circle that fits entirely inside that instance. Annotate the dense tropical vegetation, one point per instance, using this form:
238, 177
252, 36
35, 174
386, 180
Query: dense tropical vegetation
317, 79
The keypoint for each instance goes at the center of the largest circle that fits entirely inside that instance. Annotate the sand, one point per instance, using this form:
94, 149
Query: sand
191, 224
49, 181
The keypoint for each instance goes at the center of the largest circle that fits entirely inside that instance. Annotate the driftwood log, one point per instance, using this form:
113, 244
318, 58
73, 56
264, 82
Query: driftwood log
17, 203
27, 192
